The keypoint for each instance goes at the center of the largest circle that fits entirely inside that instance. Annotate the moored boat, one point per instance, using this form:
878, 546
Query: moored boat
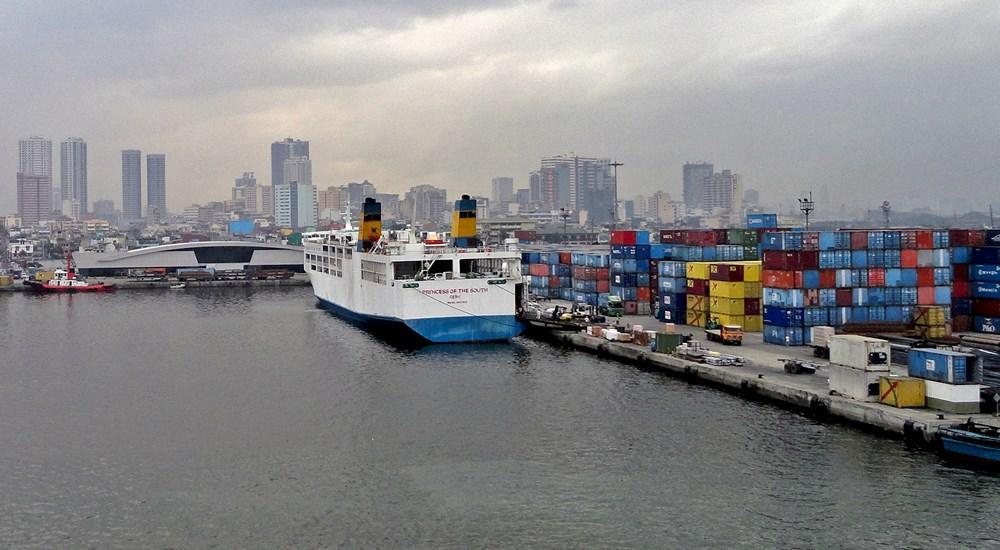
972, 441
66, 280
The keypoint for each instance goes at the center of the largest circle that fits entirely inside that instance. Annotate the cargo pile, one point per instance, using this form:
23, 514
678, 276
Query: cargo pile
726, 291
856, 365
984, 272
707, 245
631, 275
858, 278
572, 276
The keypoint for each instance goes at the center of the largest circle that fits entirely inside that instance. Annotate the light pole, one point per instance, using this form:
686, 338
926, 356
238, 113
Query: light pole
564, 214
614, 207
806, 205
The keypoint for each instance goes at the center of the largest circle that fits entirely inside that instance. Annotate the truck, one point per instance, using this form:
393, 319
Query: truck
730, 335
615, 307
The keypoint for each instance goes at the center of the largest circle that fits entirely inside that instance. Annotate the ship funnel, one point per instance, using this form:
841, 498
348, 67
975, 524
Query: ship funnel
371, 224
463, 223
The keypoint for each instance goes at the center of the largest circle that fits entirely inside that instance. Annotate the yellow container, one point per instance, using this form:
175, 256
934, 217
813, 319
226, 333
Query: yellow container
726, 306
699, 270
753, 323
697, 303
733, 290
6, 280
695, 318
931, 316
751, 271
901, 391
938, 331
43, 276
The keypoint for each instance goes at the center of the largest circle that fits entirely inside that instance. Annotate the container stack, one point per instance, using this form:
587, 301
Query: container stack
696, 300
672, 291
570, 276
591, 278
932, 321
952, 379
962, 242
630, 277
985, 274
856, 365
854, 278
704, 245
734, 292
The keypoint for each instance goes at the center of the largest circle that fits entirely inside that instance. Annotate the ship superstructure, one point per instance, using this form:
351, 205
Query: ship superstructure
441, 289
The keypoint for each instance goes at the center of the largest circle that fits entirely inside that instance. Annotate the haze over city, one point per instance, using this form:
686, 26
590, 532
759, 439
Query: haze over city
871, 102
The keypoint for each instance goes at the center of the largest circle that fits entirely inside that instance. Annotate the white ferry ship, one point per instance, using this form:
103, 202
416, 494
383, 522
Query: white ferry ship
441, 291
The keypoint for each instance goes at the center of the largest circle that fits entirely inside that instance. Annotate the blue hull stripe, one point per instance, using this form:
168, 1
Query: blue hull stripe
964, 448
438, 330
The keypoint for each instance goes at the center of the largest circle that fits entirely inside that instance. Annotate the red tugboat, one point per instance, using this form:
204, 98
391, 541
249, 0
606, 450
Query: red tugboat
65, 280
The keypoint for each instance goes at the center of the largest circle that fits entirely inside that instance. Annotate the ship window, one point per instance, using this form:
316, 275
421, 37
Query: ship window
481, 267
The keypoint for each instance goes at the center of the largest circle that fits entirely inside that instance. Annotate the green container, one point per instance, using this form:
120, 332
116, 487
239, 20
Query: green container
744, 237
667, 343
751, 253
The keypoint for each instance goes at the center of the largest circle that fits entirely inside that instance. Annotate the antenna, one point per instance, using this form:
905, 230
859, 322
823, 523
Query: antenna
886, 208
806, 206
614, 207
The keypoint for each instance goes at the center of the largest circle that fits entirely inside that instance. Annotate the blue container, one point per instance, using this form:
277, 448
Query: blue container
859, 314
762, 221
672, 269
784, 317
892, 296
810, 278
942, 295
783, 297
668, 315
844, 278
566, 294
785, 336
985, 255
908, 296
692, 253
815, 316
834, 259
859, 297
894, 314
859, 277
893, 240
708, 254
989, 325
584, 286
673, 301
631, 265
908, 277
641, 237
642, 252
950, 367
602, 299
942, 276
961, 306
985, 289
961, 255
876, 297
658, 251
941, 239
875, 258
876, 239
827, 297
617, 251
629, 293
784, 240
987, 272
859, 258
892, 277
642, 280
892, 258
840, 316
876, 314
672, 285
942, 258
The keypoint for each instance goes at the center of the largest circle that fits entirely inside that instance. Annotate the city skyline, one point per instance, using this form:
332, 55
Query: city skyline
650, 85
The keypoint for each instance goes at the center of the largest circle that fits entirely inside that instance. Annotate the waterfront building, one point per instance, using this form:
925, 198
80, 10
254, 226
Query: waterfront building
35, 160
695, 174
131, 186
34, 199
280, 152
156, 186
73, 177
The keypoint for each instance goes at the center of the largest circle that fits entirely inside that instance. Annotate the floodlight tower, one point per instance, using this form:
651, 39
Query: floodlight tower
614, 207
806, 206
886, 209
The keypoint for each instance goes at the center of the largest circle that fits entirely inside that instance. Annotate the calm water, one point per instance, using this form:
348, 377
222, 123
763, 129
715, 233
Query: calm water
233, 417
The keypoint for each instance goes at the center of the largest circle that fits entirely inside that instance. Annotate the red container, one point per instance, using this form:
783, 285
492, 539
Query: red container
642, 294
566, 258
908, 258
698, 287
925, 276
781, 279
925, 239
603, 274
526, 236
791, 259
751, 306
631, 307
670, 236
843, 297
553, 282
810, 240
966, 237
859, 240
961, 289
961, 323
828, 278
726, 272
603, 285
986, 308
876, 277
538, 270
623, 237
925, 295
811, 296
960, 272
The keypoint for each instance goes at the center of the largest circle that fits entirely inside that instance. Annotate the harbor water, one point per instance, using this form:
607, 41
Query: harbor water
243, 417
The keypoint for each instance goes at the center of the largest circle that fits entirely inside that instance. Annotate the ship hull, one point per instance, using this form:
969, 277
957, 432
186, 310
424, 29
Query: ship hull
436, 330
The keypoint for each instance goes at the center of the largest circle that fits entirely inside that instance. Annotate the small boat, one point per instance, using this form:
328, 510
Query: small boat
973, 442
66, 280
178, 286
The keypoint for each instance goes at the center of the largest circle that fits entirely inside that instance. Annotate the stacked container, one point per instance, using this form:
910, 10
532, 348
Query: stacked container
703, 245
850, 278
952, 379
672, 291
697, 300
856, 364
591, 278
984, 272
565, 275
962, 242
734, 292
630, 276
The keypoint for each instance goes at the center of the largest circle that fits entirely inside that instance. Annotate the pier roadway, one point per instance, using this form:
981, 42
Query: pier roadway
763, 377
130, 284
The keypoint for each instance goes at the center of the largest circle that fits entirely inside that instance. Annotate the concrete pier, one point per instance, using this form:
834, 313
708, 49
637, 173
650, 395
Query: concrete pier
763, 377
129, 284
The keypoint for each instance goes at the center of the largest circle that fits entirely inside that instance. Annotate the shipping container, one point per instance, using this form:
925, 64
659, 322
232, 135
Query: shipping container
946, 366
860, 352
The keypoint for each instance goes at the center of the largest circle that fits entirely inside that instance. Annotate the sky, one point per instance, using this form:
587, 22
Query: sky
859, 102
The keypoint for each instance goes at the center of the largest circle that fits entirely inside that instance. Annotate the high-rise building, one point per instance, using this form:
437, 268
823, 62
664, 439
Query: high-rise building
663, 209
522, 197
34, 199
390, 205
267, 200
425, 203
579, 183
330, 202
245, 189
73, 177
34, 175
695, 174
723, 190
156, 186
358, 192
282, 151
131, 185
503, 189
295, 205
535, 187
105, 210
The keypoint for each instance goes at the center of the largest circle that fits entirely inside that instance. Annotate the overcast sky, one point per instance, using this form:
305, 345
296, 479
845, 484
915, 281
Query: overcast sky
869, 101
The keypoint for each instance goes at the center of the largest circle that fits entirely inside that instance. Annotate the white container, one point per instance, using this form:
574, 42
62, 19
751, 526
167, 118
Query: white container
857, 384
860, 352
821, 335
953, 398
